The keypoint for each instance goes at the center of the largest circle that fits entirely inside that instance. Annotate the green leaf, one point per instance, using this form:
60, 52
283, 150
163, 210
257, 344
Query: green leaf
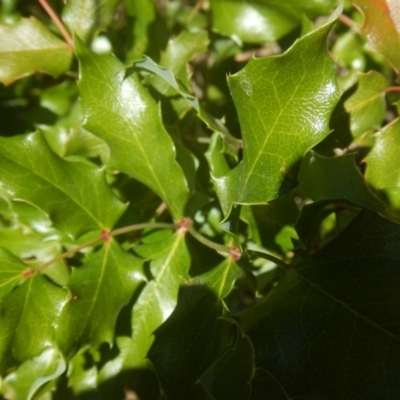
169, 267
86, 17
190, 340
75, 196
29, 319
383, 166
179, 52
335, 315
119, 110
27, 47
284, 104
266, 20
10, 271
382, 27
32, 375
99, 289
335, 179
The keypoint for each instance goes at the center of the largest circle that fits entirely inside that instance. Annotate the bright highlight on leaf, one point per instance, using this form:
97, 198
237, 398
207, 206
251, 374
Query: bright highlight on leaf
120, 111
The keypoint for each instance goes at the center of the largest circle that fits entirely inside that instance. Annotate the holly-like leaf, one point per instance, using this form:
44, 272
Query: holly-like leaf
27, 46
258, 21
32, 375
189, 341
10, 271
75, 196
28, 320
382, 27
335, 315
335, 179
86, 17
284, 104
99, 289
119, 110
179, 52
383, 166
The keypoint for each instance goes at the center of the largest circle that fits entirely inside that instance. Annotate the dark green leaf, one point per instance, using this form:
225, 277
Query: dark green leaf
99, 289
75, 196
335, 315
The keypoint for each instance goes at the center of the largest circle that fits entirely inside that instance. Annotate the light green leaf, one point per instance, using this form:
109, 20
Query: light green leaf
27, 46
189, 341
363, 104
335, 179
32, 375
119, 110
11, 269
383, 164
332, 315
29, 319
258, 21
179, 52
99, 289
86, 17
75, 196
284, 104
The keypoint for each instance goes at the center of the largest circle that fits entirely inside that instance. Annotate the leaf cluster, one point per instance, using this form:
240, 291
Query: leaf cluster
199, 199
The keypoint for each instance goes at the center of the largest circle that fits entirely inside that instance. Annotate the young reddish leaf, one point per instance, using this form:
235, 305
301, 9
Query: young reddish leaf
27, 46
86, 17
382, 27
284, 104
74, 195
119, 110
29, 319
99, 289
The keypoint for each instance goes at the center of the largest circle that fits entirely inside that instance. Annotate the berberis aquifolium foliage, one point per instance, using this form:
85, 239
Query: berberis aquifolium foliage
199, 199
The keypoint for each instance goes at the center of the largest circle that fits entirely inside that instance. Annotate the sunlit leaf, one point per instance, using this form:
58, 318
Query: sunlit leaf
382, 27
87, 17
99, 289
332, 315
284, 104
27, 46
29, 319
119, 110
10, 271
32, 375
75, 196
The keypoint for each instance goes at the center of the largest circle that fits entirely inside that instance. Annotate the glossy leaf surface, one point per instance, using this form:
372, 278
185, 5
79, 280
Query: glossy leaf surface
284, 104
75, 196
120, 111
99, 289
332, 315
28, 316
31, 47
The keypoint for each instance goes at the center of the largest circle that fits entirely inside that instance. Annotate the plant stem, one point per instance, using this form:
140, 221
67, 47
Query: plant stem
138, 227
208, 242
269, 257
57, 21
393, 89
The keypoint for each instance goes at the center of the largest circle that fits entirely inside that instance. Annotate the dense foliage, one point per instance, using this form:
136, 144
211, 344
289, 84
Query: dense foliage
199, 200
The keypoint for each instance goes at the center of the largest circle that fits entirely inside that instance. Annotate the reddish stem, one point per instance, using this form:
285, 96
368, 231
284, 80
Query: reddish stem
393, 89
57, 21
